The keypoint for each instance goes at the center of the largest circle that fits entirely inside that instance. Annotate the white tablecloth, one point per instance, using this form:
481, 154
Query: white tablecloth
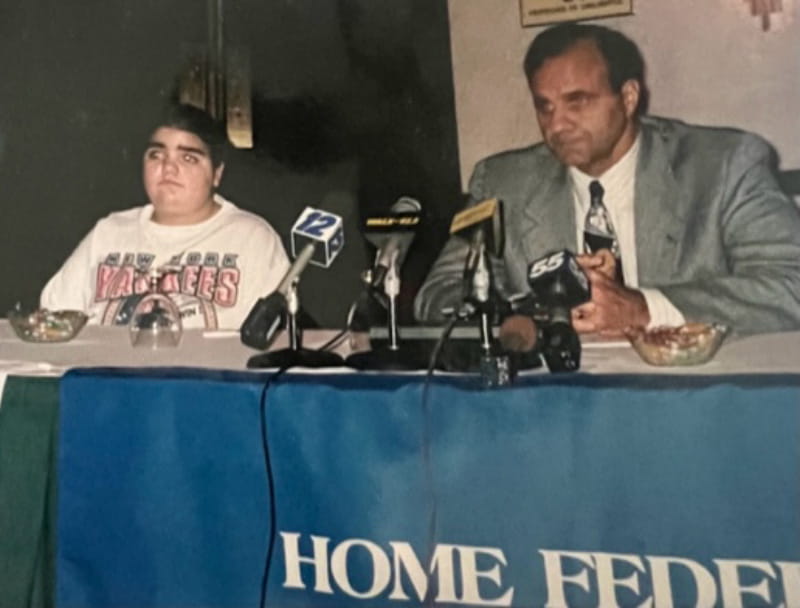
110, 346
97, 346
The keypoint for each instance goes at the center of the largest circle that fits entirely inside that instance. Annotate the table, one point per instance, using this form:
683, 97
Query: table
28, 425
109, 346
519, 494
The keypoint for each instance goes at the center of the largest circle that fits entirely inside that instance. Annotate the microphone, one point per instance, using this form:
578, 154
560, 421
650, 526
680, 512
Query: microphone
317, 236
392, 236
556, 280
482, 225
263, 321
485, 217
559, 284
323, 229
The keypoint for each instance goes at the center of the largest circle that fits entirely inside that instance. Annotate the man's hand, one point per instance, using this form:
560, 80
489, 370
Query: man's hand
613, 307
602, 261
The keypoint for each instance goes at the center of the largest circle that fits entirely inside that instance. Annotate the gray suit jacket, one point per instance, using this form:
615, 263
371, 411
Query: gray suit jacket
713, 230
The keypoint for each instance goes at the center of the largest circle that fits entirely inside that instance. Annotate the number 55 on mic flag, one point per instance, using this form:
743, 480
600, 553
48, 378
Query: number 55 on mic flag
324, 230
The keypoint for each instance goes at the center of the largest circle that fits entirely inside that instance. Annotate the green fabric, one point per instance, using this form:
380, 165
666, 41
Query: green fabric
28, 431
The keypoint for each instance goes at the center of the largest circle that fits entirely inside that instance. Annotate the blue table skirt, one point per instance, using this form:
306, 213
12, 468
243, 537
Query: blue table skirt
183, 488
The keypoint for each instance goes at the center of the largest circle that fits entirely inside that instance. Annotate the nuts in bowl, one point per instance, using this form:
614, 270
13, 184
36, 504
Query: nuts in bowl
47, 325
689, 344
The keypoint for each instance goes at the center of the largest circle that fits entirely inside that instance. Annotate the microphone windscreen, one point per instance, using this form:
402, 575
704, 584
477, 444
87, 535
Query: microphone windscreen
322, 228
406, 204
518, 334
558, 280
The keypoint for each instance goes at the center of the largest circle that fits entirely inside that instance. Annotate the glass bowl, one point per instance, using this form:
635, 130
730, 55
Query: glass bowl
47, 325
689, 344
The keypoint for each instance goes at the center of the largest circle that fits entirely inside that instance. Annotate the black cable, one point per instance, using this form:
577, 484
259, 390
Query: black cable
426, 445
470, 268
334, 342
437, 348
429, 481
270, 483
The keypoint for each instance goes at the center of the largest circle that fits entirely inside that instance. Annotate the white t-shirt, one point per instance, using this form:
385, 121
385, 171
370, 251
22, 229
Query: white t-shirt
216, 270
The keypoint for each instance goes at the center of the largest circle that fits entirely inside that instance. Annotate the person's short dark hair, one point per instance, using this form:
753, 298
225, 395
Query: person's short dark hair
623, 58
211, 132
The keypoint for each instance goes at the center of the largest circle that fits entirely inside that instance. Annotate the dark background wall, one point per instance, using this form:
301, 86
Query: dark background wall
352, 102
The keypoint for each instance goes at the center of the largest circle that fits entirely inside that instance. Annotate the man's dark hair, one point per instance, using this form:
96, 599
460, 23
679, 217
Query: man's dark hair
623, 58
198, 122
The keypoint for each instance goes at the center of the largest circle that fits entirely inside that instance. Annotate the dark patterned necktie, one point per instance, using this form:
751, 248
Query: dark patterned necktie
598, 230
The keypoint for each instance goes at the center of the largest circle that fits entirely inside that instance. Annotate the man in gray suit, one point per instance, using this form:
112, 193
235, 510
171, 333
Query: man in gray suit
693, 215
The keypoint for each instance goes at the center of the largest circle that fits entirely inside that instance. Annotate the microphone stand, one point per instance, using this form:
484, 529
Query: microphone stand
391, 356
295, 355
496, 368
481, 287
391, 287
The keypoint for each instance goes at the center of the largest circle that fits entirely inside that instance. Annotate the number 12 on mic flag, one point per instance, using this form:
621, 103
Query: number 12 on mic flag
322, 228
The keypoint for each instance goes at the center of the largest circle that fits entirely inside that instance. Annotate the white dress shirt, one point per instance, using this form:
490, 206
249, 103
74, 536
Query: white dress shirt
619, 183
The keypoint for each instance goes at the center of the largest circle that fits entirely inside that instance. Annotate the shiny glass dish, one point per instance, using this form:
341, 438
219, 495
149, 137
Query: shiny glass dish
47, 326
689, 344
156, 320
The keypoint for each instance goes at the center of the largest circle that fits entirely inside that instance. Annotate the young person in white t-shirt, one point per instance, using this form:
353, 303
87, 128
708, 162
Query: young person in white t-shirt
216, 260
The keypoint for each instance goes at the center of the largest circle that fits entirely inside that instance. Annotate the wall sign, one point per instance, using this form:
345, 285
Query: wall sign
539, 12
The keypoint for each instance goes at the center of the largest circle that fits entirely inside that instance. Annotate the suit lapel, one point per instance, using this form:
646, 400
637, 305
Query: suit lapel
657, 210
547, 220
548, 217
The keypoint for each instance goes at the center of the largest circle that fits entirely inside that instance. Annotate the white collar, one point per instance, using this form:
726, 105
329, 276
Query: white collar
620, 172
